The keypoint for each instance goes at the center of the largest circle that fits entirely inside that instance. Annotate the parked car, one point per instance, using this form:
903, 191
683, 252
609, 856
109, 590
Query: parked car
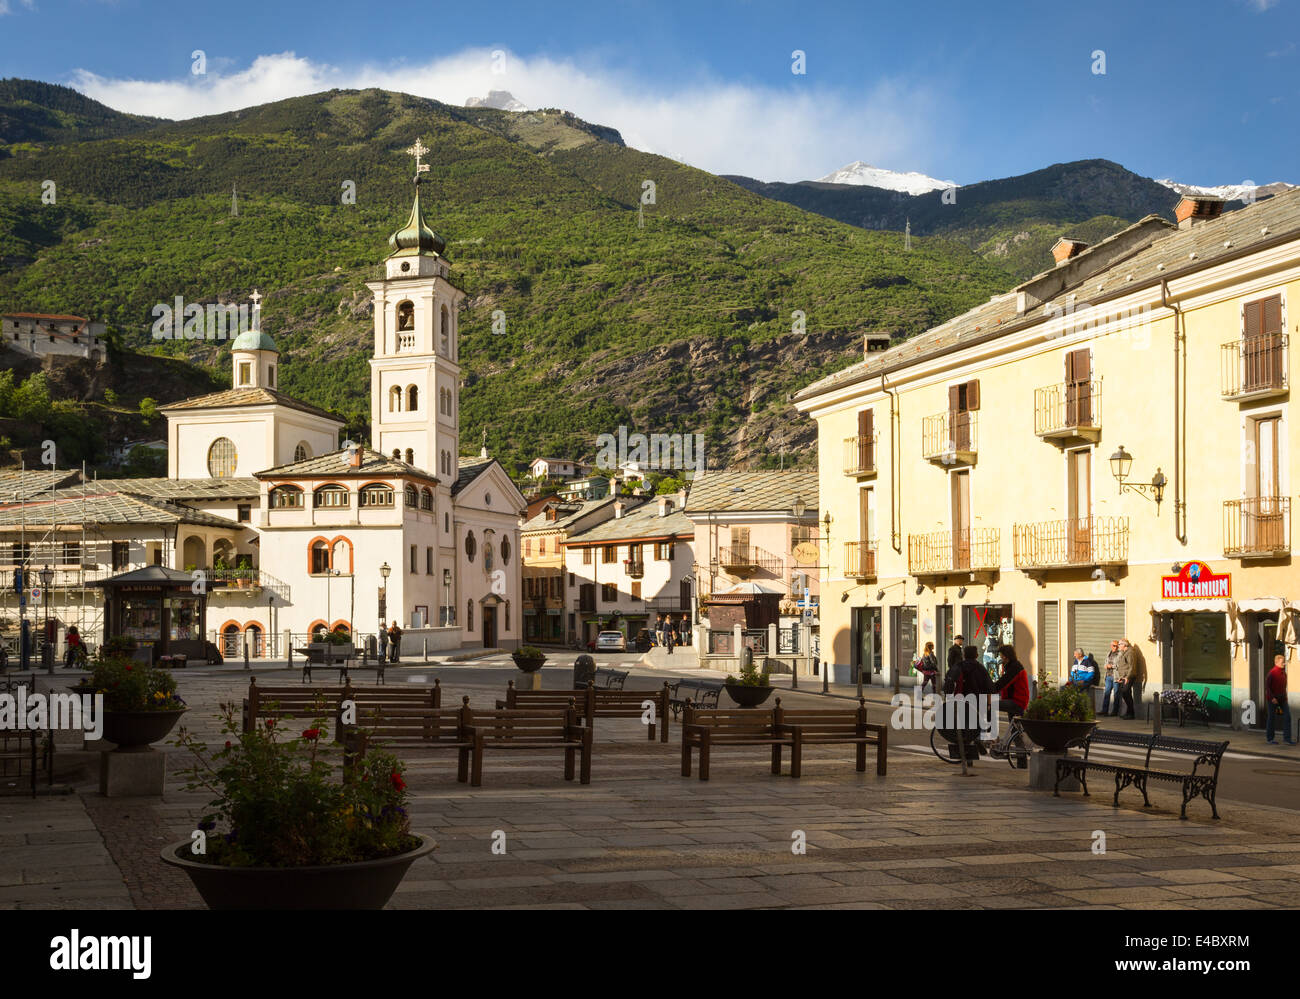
611, 641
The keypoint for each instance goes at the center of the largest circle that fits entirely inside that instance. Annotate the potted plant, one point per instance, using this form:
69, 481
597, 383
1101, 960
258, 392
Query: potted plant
140, 701
244, 572
1056, 718
285, 832
528, 658
751, 688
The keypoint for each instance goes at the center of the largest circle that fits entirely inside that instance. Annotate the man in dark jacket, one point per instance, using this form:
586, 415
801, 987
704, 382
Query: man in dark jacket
954, 653
969, 677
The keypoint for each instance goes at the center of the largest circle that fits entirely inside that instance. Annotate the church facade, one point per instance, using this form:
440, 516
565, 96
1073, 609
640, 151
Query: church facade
293, 529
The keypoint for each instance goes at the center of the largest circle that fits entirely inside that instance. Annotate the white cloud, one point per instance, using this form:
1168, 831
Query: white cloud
1262, 5
791, 131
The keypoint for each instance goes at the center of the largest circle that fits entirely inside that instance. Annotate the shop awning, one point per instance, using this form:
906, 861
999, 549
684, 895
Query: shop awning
1189, 606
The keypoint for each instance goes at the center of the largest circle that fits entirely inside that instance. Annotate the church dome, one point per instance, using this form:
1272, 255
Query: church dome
416, 237
254, 340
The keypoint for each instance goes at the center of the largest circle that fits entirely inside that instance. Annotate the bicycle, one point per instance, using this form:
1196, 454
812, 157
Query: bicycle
1015, 747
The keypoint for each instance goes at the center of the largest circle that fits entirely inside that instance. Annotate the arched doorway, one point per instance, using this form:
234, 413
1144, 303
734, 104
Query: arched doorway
194, 553
230, 646
256, 641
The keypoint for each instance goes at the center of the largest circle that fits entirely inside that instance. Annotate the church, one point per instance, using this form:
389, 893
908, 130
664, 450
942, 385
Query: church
293, 529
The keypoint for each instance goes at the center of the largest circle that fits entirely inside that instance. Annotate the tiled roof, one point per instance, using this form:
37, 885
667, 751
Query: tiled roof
179, 489
23, 484
45, 315
469, 470
718, 492
335, 464
566, 514
246, 397
106, 507
642, 522
1161, 252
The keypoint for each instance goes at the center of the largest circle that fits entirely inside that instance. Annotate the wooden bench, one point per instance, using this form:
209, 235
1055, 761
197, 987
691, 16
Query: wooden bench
317, 702
593, 702
702, 693
610, 679
1195, 783
704, 728
389, 725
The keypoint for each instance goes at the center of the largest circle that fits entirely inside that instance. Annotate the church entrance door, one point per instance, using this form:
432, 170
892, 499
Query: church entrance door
489, 627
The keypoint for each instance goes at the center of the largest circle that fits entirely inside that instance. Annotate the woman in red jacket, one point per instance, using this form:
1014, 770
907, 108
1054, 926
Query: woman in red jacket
1013, 687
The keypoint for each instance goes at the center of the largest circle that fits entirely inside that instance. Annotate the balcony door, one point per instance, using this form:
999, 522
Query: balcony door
866, 529
1078, 527
866, 442
960, 519
1078, 388
1261, 344
1264, 522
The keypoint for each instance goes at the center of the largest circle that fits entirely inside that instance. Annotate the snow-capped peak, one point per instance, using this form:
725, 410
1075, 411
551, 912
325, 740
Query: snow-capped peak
866, 175
502, 100
1245, 191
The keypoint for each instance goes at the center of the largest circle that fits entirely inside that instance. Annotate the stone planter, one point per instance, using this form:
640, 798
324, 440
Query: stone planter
1054, 735
528, 664
367, 884
133, 731
749, 697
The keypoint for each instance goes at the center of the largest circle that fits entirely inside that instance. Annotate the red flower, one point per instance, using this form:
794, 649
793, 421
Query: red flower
311, 733
227, 743
128, 669
398, 783
270, 723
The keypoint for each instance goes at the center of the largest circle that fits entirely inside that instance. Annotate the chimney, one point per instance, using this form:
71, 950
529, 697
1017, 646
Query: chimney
1194, 209
551, 513
618, 509
665, 505
613, 485
354, 456
1065, 248
874, 342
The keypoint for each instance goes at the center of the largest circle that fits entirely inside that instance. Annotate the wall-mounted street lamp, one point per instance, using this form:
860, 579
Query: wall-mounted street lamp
800, 507
1120, 463
961, 592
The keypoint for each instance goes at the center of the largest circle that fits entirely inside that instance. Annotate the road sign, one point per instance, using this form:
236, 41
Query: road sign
36, 593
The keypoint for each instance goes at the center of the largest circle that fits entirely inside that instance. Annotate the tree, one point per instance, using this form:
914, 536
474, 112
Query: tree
110, 397
149, 408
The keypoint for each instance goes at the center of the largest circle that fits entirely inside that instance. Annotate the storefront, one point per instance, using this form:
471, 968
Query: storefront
158, 608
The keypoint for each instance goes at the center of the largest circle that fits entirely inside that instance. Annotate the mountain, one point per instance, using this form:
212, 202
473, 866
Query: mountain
31, 111
502, 100
679, 315
865, 175
1011, 222
1232, 192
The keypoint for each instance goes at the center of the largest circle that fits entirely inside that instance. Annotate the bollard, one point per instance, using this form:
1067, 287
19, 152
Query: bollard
426, 650
245, 653
1155, 718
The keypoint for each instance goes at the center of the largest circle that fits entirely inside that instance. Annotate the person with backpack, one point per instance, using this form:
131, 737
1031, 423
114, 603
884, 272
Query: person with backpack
968, 677
928, 667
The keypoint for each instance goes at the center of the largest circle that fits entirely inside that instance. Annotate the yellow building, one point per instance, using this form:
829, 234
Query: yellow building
1104, 451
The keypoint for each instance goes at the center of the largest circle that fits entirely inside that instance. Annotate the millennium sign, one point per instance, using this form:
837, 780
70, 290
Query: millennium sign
1196, 581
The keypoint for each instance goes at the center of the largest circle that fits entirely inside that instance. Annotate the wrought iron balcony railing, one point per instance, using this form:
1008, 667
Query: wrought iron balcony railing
860, 559
1081, 541
746, 559
949, 438
953, 551
1257, 527
1253, 367
1068, 410
860, 455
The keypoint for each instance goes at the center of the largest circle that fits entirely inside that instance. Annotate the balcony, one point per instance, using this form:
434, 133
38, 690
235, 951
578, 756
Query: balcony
1068, 412
949, 438
634, 569
746, 560
1253, 367
860, 559
943, 552
1257, 527
1076, 543
860, 456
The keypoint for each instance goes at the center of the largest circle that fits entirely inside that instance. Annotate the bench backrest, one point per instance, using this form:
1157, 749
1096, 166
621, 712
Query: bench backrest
610, 699
826, 721
730, 721
612, 677
385, 721
299, 702
533, 724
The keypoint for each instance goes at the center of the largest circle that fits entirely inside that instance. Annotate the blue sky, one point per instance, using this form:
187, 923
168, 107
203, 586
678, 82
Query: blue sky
1204, 92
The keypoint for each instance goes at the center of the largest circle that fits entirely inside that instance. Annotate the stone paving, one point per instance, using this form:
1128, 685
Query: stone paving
642, 836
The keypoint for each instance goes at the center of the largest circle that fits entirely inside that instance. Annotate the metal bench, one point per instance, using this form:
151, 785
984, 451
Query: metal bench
1186, 704
1195, 783
701, 693
610, 679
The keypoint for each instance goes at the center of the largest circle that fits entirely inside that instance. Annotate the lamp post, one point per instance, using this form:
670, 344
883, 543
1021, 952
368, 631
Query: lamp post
1120, 463
47, 580
384, 570
446, 599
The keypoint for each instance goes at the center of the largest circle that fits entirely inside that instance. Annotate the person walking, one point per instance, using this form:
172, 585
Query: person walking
76, 650
684, 631
659, 630
1131, 673
394, 642
670, 635
954, 655
1279, 708
968, 677
383, 643
928, 667
1112, 658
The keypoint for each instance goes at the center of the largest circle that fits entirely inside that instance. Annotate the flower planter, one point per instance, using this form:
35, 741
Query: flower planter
528, 664
367, 884
1054, 735
749, 697
133, 731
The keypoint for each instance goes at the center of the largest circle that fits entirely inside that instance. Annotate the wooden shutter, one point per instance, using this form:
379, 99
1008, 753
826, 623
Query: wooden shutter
1262, 344
866, 439
954, 398
973, 394
1078, 388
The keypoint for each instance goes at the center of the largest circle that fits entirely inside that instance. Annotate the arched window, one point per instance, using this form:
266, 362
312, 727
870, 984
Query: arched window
395, 399
397, 454
446, 523
505, 551
283, 497
446, 331
471, 546
270, 376
426, 499
376, 495
341, 556
412, 397
412, 497
331, 496
320, 557
469, 614
405, 316
410, 456
302, 452
222, 458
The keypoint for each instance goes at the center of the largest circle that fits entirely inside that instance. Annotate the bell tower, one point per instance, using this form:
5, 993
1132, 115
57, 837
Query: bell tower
415, 370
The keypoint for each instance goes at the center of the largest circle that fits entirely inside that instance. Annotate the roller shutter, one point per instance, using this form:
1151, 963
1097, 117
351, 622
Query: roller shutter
1049, 638
1094, 624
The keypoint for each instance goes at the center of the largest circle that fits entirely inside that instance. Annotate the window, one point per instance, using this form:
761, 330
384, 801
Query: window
405, 316
320, 557
331, 496
586, 556
302, 452
270, 376
609, 554
428, 561
469, 614
410, 456
376, 495
446, 335
411, 496
963, 399
541, 546
608, 593
572, 579
286, 496
471, 546
395, 399
222, 458
528, 547
244, 513
413, 398
505, 551
446, 523
397, 454
426, 499
801, 533
245, 372
444, 401
120, 554
414, 551
71, 553
636, 590
507, 615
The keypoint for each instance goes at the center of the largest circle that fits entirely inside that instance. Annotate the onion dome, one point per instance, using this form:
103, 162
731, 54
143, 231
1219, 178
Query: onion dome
416, 238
